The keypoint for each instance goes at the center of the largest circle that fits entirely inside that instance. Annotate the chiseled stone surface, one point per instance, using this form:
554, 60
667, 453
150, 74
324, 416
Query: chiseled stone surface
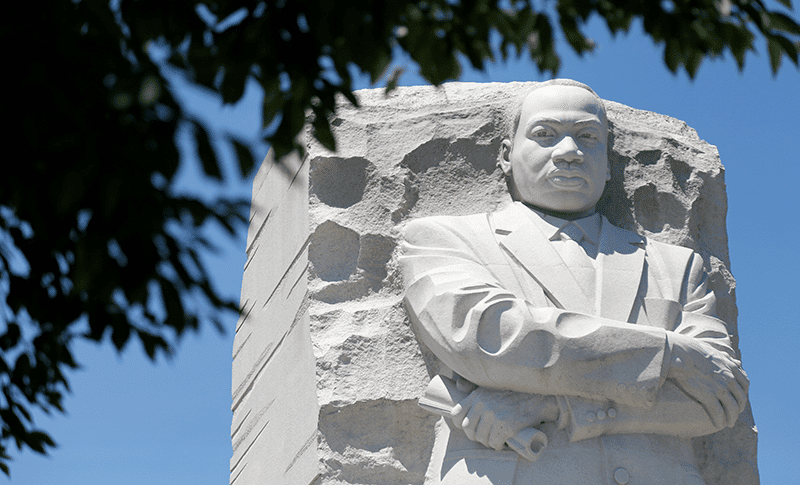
274, 426
424, 151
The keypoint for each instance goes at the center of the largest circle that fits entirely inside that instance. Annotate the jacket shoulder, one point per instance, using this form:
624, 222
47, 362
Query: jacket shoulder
457, 225
654, 247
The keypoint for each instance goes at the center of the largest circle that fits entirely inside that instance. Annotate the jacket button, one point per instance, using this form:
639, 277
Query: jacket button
621, 476
612, 413
601, 415
590, 416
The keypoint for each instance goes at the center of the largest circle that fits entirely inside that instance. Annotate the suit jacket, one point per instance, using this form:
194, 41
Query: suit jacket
492, 298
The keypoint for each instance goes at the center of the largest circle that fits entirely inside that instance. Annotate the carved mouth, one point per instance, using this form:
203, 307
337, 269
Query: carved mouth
567, 179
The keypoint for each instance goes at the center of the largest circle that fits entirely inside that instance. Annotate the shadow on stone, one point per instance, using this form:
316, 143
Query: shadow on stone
426, 156
376, 251
681, 171
648, 157
339, 182
655, 210
333, 251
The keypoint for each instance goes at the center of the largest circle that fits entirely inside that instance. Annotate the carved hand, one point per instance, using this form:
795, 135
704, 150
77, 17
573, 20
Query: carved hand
493, 417
713, 378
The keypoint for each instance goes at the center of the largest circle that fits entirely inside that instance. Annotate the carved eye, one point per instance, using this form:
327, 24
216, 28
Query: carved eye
540, 133
588, 136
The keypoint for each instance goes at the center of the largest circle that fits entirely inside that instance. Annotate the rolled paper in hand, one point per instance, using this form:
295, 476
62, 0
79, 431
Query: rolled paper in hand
442, 395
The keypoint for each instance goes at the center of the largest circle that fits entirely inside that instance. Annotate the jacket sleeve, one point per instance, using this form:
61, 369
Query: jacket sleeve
497, 339
674, 413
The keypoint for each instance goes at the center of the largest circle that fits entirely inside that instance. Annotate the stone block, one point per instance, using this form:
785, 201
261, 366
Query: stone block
417, 152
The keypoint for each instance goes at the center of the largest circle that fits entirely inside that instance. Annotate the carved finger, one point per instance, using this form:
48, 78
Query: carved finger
731, 408
471, 423
717, 414
699, 390
498, 436
739, 394
741, 378
484, 428
461, 410
730, 381
458, 414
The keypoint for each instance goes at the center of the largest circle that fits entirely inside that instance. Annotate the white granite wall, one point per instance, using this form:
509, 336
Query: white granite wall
274, 428
425, 151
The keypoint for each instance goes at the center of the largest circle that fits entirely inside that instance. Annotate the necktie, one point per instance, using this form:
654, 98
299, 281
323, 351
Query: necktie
579, 263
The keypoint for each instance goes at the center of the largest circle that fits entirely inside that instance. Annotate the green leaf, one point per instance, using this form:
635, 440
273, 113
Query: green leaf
672, 55
573, 34
775, 54
234, 82
790, 48
348, 94
22, 368
245, 157
391, 85
37, 440
692, 63
176, 317
322, 130
153, 343
273, 100
10, 338
783, 23
218, 325
120, 332
378, 66
740, 41
205, 151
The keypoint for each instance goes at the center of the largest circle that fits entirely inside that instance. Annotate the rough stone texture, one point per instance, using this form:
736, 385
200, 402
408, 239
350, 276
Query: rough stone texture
424, 151
274, 427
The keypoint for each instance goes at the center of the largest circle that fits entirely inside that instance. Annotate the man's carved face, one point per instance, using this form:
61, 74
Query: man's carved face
558, 159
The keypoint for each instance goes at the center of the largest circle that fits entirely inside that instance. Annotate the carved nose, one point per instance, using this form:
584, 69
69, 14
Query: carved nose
567, 151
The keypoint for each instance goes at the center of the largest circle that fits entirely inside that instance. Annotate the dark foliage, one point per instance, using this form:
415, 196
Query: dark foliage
94, 242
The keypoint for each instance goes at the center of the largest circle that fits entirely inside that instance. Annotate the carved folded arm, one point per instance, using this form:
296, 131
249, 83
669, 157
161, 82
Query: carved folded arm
610, 375
498, 340
674, 413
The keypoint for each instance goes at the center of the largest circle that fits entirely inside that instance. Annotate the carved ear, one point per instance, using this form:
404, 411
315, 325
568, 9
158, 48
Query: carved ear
505, 156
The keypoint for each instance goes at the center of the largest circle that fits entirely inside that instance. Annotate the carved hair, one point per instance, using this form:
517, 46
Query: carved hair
552, 82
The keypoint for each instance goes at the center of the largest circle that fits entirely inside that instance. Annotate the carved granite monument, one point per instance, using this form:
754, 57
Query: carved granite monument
604, 343
491, 284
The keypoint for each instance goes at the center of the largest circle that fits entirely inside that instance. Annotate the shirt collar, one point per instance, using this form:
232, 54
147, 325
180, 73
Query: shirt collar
551, 225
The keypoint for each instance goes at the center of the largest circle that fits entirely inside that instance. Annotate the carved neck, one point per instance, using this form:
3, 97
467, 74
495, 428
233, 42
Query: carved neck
567, 216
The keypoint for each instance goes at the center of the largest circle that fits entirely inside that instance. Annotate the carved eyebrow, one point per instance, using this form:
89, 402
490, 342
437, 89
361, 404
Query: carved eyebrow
555, 121
535, 121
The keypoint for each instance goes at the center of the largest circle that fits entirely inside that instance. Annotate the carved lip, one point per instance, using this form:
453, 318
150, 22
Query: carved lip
567, 178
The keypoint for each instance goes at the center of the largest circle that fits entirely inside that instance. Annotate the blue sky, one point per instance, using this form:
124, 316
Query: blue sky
133, 422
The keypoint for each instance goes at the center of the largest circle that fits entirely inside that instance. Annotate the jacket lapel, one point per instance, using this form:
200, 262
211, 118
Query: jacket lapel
620, 267
529, 247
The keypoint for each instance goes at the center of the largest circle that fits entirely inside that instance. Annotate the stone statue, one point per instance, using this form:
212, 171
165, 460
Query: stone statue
576, 352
